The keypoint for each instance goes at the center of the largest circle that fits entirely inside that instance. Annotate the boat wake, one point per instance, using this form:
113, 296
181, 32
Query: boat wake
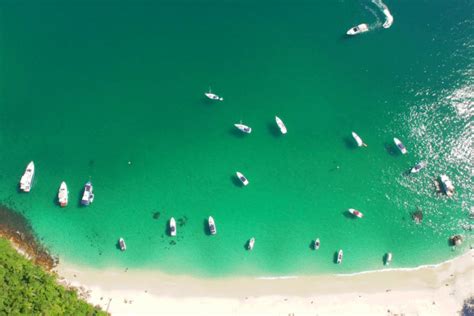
388, 16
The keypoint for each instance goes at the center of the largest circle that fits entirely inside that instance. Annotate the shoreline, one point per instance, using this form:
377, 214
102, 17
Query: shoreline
428, 290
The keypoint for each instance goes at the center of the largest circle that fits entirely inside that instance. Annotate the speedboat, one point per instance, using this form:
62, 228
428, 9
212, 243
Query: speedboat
251, 243
242, 178
213, 96
244, 128
356, 213
27, 177
359, 141
446, 185
122, 244
361, 28
339, 256
400, 145
212, 226
172, 227
281, 125
416, 168
317, 243
388, 258
88, 195
63, 194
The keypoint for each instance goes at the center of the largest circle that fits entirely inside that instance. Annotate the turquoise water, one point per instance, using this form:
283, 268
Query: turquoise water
86, 87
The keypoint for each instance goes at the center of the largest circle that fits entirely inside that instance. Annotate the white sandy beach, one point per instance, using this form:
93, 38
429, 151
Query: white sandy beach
431, 290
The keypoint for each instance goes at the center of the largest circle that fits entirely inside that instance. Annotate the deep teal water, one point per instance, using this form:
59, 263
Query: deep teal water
87, 86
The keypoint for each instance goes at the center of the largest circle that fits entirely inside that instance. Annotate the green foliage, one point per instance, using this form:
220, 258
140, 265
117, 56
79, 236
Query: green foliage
26, 289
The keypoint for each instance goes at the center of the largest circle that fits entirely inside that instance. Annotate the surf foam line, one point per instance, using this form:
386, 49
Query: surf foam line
388, 16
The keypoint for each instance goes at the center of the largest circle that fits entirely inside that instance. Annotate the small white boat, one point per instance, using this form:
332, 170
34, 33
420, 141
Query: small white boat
446, 185
213, 96
212, 226
359, 141
251, 243
27, 177
416, 168
339, 256
356, 213
244, 128
172, 227
63, 194
242, 178
281, 125
400, 145
88, 195
317, 243
361, 28
122, 244
388, 258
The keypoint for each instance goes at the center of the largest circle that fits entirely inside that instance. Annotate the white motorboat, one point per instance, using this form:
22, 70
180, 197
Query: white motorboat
400, 145
88, 195
317, 243
388, 258
446, 185
361, 28
339, 256
416, 168
213, 96
356, 213
242, 178
63, 194
122, 244
212, 226
251, 243
244, 128
281, 125
27, 178
172, 227
359, 141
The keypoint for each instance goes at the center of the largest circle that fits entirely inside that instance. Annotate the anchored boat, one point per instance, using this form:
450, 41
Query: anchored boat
356, 213
212, 226
172, 227
416, 168
388, 258
400, 145
339, 256
446, 185
122, 244
359, 141
317, 243
251, 243
213, 96
242, 178
281, 125
63, 194
244, 128
27, 177
88, 195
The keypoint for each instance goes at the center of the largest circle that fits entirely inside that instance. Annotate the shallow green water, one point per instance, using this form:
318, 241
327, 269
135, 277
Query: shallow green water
86, 87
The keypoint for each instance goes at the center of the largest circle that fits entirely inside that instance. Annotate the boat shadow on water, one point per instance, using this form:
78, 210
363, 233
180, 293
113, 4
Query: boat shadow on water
392, 149
348, 215
334, 259
312, 245
117, 245
237, 133
350, 143
274, 129
206, 227
236, 182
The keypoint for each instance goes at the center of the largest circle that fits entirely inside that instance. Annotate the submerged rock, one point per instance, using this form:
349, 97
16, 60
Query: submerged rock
455, 240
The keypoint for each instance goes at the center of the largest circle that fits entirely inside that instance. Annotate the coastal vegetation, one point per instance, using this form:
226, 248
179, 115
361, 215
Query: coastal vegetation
27, 289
